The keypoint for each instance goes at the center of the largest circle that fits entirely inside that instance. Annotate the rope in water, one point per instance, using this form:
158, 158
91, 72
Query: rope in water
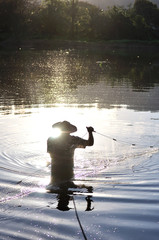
124, 142
79, 222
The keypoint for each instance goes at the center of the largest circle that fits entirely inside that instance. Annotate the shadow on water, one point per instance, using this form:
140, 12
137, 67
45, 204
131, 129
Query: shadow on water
65, 192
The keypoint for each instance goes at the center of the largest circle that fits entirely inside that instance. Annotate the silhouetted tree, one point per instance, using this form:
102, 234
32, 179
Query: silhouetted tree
119, 25
146, 18
13, 17
77, 20
53, 18
87, 20
146, 9
73, 11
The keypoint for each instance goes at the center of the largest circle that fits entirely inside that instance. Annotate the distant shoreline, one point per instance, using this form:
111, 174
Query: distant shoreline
53, 44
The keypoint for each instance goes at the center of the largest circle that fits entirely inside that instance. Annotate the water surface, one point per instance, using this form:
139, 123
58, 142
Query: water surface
116, 94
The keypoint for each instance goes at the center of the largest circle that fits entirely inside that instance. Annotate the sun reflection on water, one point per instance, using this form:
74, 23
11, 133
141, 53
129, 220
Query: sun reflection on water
33, 130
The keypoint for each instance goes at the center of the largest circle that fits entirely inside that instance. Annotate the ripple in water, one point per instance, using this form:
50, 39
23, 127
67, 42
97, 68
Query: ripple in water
125, 195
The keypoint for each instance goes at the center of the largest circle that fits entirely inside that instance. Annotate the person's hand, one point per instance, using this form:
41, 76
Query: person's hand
90, 129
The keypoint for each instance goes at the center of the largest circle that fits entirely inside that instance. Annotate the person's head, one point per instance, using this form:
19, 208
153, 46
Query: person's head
65, 127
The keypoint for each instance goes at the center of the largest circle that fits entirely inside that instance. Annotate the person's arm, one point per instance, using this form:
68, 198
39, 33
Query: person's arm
82, 143
90, 136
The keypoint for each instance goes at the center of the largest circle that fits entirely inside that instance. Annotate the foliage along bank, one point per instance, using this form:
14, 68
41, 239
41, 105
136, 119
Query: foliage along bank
73, 19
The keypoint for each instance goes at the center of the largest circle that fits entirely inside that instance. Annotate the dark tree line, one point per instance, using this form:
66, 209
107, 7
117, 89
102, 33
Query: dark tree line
73, 19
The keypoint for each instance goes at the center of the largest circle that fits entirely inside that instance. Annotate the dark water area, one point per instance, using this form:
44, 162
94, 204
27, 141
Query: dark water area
72, 75
114, 90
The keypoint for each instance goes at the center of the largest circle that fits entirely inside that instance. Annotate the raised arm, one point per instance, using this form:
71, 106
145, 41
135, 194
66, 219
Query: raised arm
90, 136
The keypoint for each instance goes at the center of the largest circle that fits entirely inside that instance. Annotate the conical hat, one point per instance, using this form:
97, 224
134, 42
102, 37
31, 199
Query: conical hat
65, 126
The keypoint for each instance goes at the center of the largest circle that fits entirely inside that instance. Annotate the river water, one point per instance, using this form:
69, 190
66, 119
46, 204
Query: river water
117, 94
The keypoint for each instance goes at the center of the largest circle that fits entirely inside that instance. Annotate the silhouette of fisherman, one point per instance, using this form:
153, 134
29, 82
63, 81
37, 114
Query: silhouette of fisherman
61, 150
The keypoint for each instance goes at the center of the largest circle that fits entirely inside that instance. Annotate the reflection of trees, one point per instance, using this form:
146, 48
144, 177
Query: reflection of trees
36, 77
141, 74
141, 79
49, 77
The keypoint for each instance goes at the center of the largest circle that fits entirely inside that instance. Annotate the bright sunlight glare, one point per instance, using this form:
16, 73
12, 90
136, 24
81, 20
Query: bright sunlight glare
56, 132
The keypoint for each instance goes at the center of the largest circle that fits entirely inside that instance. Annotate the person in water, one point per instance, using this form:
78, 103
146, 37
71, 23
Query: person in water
61, 150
